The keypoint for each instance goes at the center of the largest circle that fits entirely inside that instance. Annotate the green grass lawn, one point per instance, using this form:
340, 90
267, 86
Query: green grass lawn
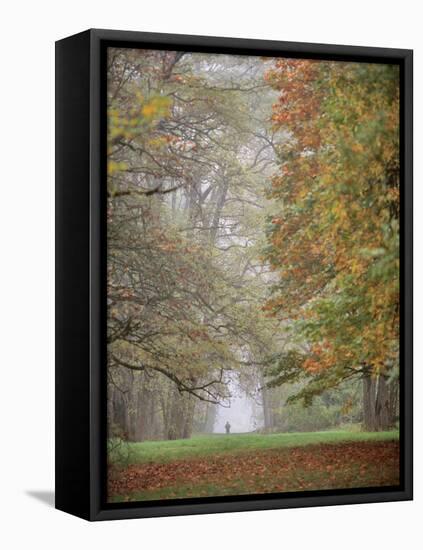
236, 464
205, 445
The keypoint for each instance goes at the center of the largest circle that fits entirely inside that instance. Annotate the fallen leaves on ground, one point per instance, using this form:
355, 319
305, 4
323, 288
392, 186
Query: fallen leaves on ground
329, 466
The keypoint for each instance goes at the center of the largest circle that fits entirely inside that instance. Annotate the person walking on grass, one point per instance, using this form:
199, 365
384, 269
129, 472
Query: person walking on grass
227, 427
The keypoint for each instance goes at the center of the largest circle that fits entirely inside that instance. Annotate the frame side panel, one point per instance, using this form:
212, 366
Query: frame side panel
72, 275
407, 259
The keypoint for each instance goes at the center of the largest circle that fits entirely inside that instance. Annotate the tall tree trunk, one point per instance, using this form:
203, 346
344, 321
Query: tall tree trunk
369, 401
393, 401
378, 411
220, 203
181, 416
188, 416
267, 405
211, 413
267, 410
382, 405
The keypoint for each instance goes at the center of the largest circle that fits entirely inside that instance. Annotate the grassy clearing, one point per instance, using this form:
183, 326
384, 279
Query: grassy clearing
335, 465
206, 445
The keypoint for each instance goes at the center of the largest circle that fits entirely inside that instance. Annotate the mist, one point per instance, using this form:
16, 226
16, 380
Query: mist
244, 414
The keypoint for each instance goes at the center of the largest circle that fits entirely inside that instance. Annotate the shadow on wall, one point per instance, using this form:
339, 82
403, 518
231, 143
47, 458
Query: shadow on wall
46, 497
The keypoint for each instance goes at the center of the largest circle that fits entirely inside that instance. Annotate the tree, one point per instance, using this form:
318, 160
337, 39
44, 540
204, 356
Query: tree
189, 149
334, 238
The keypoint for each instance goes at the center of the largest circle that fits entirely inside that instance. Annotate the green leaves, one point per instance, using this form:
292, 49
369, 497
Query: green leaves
335, 245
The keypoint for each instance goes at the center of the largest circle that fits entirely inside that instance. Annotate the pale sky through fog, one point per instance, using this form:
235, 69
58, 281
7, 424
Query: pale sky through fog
240, 414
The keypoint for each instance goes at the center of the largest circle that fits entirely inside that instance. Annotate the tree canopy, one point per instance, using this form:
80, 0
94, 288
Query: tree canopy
334, 240
253, 235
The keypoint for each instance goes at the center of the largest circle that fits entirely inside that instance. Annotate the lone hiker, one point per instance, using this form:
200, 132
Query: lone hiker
227, 427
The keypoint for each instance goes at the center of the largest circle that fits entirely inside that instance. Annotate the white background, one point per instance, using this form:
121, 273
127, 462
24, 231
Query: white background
28, 32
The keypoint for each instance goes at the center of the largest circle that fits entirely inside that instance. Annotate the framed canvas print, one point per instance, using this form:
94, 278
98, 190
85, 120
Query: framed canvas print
234, 274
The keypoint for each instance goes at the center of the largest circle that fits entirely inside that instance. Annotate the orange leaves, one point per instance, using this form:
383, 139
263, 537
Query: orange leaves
199, 334
321, 358
312, 467
334, 241
298, 107
168, 247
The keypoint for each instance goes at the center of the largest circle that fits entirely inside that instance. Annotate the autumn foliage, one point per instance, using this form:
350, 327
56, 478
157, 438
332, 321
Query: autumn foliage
334, 237
252, 265
325, 466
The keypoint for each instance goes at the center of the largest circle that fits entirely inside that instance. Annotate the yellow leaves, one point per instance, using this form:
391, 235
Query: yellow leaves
339, 210
357, 147
157, 107
158, 142
132, 123
357, 266
347, 406
113, 167
338, 190
149, 110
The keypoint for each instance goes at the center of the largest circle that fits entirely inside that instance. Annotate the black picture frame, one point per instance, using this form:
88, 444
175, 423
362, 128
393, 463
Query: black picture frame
81, 274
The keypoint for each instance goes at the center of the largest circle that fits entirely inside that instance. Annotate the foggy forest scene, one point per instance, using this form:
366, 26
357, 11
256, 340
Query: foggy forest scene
252, 275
